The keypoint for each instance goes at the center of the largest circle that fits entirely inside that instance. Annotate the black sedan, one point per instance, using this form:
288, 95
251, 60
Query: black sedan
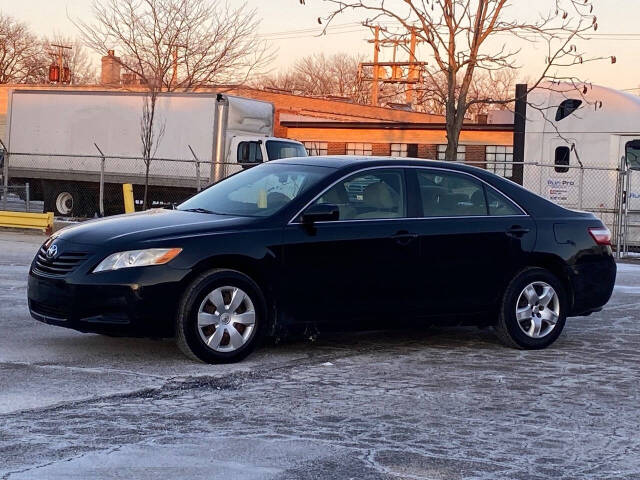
328, 240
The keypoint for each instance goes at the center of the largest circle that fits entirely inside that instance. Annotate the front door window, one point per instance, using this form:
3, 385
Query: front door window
373, 194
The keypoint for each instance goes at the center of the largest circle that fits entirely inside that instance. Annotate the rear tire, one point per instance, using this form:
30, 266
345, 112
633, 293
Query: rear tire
533, 310
222, 317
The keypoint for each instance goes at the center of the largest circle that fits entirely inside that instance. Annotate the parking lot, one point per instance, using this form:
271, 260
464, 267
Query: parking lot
434, 403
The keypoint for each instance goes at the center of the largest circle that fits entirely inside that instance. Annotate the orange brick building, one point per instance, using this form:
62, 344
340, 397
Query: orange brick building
338, 127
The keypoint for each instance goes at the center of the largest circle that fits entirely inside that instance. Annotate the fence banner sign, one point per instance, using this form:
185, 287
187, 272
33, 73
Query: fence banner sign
563, 191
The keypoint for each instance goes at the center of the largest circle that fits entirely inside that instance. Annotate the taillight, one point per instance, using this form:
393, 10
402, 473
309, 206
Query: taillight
601, 235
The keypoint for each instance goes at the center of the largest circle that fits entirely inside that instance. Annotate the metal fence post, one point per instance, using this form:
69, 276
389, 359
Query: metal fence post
5, 174
27, 195
621, 201
625, 246
581, 188
198, 186
101, 194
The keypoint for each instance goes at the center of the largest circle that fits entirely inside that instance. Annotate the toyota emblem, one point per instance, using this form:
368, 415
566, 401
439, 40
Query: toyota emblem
52, 251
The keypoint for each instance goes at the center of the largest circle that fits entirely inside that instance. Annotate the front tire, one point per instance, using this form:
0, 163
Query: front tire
533, 310
222, 317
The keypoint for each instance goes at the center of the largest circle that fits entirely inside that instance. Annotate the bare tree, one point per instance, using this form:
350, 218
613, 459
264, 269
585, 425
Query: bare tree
150, 134
175, 45
467, 37
178, 44
21, 53
83, 71
321, 75
498, 85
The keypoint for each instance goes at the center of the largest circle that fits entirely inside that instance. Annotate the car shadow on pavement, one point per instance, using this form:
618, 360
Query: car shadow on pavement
91, 349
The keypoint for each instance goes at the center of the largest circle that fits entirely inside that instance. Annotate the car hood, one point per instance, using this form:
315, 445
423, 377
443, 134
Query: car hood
156, 224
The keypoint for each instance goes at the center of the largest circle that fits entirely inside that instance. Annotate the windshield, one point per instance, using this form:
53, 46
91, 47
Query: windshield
258, 192
278, 149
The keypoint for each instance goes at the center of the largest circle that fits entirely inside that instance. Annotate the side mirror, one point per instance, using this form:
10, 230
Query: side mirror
322, 212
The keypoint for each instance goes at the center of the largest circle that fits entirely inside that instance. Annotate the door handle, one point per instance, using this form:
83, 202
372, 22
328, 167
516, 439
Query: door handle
404, 238
517, 231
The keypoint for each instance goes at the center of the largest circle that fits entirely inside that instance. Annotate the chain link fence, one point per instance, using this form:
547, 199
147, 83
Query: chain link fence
17, 198
86, 186
91, 185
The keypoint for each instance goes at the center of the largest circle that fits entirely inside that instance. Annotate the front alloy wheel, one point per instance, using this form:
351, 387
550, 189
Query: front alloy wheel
222, 317
226, 319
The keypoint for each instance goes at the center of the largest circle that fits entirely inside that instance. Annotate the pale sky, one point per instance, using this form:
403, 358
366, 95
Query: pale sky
47, 17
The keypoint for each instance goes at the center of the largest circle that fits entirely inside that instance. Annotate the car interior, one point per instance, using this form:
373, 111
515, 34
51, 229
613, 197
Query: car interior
379, 195
368, 196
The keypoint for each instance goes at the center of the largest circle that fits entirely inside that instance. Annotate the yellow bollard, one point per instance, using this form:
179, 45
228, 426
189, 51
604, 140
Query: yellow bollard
127, 192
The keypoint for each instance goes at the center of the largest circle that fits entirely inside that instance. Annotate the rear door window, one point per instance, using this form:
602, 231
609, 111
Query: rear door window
499, 205
445, 194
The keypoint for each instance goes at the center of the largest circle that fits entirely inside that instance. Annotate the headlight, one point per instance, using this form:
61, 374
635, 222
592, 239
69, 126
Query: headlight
137, 258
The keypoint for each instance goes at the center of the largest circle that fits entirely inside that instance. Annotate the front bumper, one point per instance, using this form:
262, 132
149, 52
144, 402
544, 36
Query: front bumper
130, 303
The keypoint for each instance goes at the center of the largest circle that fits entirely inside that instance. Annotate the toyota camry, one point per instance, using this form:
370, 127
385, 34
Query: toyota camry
328, 240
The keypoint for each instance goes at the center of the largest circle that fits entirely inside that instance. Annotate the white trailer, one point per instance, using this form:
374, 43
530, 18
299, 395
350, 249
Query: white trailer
56, 140
585, 140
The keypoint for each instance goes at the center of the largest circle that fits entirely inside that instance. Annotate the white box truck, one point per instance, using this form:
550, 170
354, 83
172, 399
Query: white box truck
56, 139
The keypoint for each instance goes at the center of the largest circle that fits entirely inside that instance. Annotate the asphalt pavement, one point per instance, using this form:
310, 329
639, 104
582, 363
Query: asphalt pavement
429, 403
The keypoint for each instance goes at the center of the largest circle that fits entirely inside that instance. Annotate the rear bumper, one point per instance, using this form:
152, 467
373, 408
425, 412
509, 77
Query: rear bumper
123, 308
592, 284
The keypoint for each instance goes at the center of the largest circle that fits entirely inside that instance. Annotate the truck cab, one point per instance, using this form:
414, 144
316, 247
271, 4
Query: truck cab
249, 150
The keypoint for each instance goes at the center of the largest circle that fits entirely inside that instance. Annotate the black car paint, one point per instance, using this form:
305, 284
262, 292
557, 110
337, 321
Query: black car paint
328, 271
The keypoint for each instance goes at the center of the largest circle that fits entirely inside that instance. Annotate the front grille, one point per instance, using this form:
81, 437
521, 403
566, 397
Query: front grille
59, 266
61, 312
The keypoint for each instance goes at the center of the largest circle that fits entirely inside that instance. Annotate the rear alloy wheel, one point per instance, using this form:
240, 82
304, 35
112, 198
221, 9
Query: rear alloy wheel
221, 318
538, 309
533, 311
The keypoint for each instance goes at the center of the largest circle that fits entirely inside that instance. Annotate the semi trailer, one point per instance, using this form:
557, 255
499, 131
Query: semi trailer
588, 138
77, 148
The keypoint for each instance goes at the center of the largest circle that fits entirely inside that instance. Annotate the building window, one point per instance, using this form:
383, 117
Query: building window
567, 107
316, 148
359, 149
499, 160
563, 155
399, 150
460, 157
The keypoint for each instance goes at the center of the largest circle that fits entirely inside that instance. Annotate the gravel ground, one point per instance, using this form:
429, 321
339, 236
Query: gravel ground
428, 404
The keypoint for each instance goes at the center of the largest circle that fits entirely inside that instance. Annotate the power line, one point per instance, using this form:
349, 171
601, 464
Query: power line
344, 28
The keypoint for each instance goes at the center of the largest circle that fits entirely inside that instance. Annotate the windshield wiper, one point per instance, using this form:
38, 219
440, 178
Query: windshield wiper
200, 210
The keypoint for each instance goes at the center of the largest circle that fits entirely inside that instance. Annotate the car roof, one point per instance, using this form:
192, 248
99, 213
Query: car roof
344, 161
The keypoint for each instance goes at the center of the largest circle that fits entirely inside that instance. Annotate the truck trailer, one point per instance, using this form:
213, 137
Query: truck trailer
66, 144
577, 141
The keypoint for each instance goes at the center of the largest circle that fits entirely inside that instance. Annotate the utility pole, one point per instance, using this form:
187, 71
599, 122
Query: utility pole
61, 49
174, 77
174, 53
414, 68
376, 72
